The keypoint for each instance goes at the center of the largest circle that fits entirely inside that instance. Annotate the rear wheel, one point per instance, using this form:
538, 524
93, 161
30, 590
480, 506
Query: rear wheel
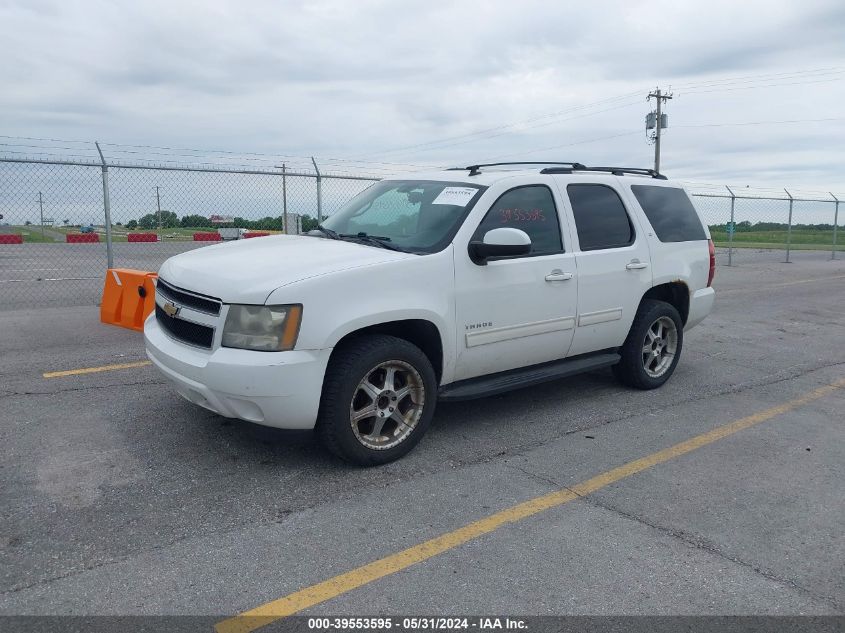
378, 399
653, 347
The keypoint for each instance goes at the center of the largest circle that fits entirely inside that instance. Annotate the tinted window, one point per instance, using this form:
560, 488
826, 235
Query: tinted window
670, 212
530, 209
600, 217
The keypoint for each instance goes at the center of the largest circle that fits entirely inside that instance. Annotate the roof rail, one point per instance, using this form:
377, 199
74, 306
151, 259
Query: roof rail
616, 171
474, 170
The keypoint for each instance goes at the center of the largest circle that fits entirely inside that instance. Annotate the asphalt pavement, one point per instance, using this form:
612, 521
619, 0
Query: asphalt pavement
60, 275
120, 498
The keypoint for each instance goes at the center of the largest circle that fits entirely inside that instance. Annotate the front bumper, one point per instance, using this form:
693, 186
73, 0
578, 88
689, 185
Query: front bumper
279, 389
700, 305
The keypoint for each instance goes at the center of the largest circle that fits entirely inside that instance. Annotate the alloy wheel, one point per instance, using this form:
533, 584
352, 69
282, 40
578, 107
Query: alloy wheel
660, 346
387, 404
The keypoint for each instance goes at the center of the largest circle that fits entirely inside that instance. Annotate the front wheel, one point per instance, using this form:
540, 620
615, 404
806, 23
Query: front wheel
653, 347
378, 399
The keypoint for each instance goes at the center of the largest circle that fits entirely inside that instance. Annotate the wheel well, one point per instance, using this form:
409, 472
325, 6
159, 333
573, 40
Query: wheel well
423, 334
675, 293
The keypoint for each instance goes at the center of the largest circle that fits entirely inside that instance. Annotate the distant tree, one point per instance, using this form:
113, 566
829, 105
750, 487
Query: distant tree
66, 221
169, 219
769, 226
194, 221
28, 223
269, 224
132, 224
308, 223
150, 221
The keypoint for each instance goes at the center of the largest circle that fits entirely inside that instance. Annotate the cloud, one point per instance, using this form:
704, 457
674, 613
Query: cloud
361, 79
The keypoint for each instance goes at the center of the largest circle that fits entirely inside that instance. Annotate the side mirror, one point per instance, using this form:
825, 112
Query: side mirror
502, 242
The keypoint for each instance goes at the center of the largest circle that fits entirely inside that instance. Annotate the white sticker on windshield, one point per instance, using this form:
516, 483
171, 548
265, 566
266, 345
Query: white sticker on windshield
457, 196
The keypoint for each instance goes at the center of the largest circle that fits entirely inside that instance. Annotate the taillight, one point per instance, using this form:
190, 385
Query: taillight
712, 263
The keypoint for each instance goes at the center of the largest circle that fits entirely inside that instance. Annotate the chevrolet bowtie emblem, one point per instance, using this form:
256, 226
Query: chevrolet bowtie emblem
170, 309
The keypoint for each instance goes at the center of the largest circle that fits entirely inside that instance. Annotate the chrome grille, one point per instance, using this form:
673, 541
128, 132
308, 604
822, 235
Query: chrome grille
185, 331
202, 303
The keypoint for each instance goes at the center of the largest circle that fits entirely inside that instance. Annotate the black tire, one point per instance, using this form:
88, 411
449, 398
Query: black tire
631, 370
350, 365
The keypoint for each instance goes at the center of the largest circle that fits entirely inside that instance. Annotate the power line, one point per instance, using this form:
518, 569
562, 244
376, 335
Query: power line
694, 125
582, 142
508, 125
763, 77
533, 127
691, 88
809, 76
773, 85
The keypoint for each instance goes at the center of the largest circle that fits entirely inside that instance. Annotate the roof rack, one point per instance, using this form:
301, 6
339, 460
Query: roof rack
616, 171
474, 170
564, 168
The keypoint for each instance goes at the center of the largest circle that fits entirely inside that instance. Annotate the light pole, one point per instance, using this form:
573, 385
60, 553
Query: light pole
158, 207
41, 207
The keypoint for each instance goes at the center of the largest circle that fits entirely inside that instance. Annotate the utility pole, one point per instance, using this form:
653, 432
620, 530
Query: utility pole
658, 125
41, 206
158, 206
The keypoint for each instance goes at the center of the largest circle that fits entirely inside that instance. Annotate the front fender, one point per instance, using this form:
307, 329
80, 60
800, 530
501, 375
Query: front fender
343, 302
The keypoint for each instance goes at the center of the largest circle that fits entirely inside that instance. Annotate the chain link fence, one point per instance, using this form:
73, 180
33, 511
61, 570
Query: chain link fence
55, 242
769, 225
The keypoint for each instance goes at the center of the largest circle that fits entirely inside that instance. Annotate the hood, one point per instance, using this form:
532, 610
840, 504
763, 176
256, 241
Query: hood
247, 271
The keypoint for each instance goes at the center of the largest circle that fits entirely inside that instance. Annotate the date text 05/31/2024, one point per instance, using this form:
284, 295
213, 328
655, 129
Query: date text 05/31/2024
417, 623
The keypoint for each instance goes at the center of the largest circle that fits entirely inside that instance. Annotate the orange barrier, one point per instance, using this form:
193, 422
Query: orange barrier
141, 237
256, 234
207, 237
13, 238
82, 238
128, 297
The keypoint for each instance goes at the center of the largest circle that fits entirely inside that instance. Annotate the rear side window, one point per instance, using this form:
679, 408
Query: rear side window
530, 208
600, 217
670, 213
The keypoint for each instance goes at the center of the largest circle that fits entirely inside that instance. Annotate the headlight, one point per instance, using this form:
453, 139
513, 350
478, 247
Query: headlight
262, 328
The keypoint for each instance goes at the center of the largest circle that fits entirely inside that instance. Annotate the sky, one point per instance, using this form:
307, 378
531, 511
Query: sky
389, 87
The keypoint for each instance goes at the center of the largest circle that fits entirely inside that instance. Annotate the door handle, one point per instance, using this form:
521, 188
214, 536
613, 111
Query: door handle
636, 265
558, 275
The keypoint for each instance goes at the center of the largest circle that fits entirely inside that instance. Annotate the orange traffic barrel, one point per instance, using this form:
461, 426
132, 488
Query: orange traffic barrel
128, 297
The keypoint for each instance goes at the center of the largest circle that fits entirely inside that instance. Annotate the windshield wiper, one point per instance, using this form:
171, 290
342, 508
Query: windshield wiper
332, 235
374, 240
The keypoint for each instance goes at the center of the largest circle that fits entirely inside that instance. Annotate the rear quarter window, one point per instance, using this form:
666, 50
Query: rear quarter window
670, 213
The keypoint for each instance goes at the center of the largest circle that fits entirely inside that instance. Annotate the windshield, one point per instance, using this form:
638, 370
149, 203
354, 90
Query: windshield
419, 216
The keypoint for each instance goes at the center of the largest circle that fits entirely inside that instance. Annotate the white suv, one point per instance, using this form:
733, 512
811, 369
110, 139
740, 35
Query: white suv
451, 285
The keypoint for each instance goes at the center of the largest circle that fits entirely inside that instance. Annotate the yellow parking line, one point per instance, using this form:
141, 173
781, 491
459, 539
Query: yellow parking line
94, 370
333, 587
780, 285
